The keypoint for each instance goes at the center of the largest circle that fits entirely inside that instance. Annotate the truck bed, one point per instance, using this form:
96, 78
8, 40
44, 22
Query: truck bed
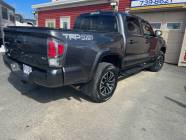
28, 45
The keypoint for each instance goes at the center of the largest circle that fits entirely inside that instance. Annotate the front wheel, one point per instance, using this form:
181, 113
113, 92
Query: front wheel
159, 62
102, 86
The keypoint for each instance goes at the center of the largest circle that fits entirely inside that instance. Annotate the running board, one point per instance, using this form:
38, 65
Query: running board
135, 69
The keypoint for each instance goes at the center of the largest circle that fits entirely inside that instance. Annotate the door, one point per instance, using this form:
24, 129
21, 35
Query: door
136, 44
65, 22
174, 31
151, 39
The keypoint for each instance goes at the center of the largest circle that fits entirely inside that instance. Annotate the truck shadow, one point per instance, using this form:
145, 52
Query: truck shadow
45, 95
176, 102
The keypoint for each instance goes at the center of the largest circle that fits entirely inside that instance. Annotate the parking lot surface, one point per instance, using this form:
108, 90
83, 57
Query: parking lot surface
145, 106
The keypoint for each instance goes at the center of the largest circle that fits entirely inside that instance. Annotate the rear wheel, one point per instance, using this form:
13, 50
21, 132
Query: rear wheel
158, 64
102, 86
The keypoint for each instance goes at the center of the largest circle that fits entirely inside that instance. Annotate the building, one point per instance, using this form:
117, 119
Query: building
6, 17
20, 21
170, 17
62, 13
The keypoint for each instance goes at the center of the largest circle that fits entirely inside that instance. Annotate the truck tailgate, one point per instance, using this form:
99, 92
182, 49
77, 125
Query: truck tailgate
27, 45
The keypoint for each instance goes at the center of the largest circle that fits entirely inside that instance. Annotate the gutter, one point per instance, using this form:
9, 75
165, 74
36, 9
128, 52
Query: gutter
68, 4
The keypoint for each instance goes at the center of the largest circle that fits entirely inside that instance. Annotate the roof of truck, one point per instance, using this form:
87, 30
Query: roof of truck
104, 13
109, 13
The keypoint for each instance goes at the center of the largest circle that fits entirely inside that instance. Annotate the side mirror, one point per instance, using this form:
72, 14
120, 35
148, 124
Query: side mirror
158, 33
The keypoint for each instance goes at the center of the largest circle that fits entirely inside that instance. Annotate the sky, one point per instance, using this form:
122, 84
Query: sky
23, 7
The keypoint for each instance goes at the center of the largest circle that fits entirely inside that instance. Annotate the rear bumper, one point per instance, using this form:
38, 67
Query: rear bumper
49, 78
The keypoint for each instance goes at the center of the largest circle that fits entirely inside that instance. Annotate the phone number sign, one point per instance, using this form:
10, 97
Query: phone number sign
142, 3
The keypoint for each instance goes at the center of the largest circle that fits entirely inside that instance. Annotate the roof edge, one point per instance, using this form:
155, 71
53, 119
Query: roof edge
7, 5
68, 4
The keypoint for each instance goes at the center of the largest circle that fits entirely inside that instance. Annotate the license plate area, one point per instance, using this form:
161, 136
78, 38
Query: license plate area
27, 69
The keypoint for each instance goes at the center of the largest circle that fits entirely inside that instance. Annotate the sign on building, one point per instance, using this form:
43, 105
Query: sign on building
143, 3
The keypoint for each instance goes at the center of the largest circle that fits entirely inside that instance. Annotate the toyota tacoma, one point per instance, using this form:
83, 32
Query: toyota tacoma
101, 47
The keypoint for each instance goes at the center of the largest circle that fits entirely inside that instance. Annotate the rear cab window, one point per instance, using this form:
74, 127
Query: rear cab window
97, 22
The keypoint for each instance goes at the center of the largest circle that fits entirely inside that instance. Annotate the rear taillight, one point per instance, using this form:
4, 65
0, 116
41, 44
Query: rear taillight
51, 49
55, 51
60, 49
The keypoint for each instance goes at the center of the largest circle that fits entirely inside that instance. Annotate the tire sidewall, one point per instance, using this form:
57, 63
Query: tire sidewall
155, 67
160, 56
104, 71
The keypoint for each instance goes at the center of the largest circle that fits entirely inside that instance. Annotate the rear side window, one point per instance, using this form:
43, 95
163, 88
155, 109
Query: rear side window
102, 23
133, 26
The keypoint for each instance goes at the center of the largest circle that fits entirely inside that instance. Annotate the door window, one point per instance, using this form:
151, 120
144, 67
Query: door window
133, 26
174, 26
147, 29
65, 22
50, 23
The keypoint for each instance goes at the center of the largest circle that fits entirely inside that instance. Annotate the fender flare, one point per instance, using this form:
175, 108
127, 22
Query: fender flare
98, 59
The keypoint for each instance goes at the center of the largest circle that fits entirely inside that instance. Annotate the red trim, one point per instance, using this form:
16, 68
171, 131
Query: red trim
185, 56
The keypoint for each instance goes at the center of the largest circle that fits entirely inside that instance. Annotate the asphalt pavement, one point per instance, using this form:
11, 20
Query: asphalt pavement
145, 106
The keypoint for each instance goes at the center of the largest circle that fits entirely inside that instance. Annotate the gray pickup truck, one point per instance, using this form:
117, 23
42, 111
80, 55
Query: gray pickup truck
101, 47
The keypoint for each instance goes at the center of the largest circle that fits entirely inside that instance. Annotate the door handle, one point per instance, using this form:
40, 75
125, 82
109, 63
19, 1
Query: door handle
18, 41
147, 41
132, 41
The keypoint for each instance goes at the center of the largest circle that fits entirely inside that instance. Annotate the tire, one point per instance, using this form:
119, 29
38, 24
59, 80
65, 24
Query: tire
159, 62
101, 88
